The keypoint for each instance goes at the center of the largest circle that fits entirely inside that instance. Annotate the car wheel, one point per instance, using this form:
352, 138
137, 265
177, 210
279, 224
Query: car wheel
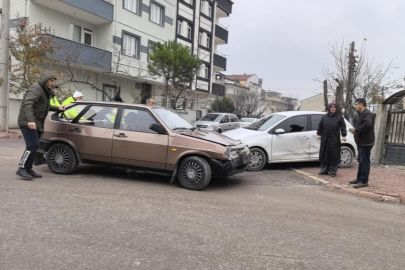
346, 157
61, 159
219, 130
194, 173
257, 160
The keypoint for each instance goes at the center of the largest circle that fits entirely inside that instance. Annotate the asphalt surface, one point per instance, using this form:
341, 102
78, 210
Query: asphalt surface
100, 218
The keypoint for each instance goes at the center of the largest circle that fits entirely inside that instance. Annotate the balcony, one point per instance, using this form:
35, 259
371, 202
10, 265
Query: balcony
219, 63
78, 53
224, 8
221, 35
218, 90
92, 11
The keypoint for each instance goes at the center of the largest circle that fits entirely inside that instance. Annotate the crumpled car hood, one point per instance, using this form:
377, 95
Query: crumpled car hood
210, 136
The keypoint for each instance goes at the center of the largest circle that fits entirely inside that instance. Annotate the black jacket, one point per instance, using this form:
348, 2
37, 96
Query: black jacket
329, 129
35, 105
365, 129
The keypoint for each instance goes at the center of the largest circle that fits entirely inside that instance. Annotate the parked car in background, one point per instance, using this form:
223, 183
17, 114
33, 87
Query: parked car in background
244, 121
219, 122
288, 137
145, 138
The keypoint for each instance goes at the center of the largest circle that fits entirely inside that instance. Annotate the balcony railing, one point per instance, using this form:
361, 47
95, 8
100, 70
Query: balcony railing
226, 5
69, 51
221, 33
92, 11
220, 61
218, 89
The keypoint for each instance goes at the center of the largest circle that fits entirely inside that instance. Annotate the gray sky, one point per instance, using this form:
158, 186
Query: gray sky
286, 42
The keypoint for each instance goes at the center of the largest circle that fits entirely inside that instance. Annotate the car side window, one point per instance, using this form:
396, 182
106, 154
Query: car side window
225, 119
136, 120
71, 113
99, 116
294, 124
234, 119
315, 119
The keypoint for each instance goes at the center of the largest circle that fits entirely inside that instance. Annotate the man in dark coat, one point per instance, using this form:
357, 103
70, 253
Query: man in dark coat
33, 111
364, 137
329, 129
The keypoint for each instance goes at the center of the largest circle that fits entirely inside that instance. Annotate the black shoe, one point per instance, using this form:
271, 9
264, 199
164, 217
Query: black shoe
34, 174
24, 174
322, 173
360, 185
333, 175
354, 182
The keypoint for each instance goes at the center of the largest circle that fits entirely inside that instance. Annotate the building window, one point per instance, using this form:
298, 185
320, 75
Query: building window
156, 13
202, 6
132, 5
190, 2
150, 50
130, 46
109, 92
200, 38
210, 10
179, 26
204, 71
189, 31
208, 41
81, 35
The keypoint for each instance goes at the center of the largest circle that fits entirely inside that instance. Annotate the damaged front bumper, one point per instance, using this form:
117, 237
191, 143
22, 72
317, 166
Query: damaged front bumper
226, 168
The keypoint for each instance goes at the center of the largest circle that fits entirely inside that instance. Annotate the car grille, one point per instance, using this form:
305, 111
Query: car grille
202, 126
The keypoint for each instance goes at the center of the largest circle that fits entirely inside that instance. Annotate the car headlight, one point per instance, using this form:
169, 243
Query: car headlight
211, 127
234, 153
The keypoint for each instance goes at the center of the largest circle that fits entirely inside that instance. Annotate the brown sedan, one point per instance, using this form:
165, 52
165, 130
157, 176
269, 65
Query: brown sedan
133, 136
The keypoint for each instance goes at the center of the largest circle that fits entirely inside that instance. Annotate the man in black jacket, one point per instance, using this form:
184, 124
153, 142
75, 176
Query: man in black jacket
34, 108
364, 137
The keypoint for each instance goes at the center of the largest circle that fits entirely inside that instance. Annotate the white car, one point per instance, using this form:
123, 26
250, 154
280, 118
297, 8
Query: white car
244, 122
288, 137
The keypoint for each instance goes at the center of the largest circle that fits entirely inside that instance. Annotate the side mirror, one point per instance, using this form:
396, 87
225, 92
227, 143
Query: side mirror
158, 128
279, 131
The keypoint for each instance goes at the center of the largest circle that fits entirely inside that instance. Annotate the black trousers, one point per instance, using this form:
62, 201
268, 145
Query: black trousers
329, 168
364, 163
31, 137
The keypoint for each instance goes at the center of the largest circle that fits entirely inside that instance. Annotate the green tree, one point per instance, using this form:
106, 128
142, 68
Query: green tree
223, 105
174, 63
31, 50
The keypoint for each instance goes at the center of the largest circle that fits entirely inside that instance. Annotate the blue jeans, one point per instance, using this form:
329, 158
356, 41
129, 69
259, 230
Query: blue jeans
364, 163
31, 137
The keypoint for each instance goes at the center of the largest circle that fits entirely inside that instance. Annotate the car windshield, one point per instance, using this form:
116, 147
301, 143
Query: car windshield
265, 123
172, 119
247, 120
212, 117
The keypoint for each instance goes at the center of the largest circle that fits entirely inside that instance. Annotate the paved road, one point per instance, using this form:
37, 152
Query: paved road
108, 219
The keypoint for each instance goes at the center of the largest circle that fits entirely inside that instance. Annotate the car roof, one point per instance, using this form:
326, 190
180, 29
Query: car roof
294, 113
220, 113
116, 103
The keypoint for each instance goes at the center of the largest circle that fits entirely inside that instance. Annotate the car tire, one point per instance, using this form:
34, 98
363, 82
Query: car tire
61, 159
219, 130
194, 173
258, 160
346, 157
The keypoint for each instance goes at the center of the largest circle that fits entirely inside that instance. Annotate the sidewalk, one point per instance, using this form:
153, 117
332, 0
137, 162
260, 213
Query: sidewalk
12, 134
387, 183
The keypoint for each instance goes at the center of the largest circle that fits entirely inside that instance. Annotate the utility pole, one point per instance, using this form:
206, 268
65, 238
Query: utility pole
325, 94
4, 65
350, 82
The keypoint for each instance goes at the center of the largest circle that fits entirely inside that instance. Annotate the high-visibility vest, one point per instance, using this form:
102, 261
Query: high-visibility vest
54, 102
73, 112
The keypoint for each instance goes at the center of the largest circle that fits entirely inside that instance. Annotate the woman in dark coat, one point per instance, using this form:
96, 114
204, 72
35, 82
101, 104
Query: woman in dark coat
329, 129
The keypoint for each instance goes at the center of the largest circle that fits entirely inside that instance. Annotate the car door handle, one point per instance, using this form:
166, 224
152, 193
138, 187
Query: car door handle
121, 135
305, 137
78, 130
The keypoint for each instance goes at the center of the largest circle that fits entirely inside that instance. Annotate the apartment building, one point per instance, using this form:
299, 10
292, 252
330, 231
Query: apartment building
99, 37
273, 102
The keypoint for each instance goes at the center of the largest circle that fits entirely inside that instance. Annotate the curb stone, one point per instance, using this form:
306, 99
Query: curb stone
346, 188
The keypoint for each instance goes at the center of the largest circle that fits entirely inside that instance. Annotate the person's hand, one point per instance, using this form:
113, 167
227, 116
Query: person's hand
62, 108
32, 125
318, 137
353, 131
344, 139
